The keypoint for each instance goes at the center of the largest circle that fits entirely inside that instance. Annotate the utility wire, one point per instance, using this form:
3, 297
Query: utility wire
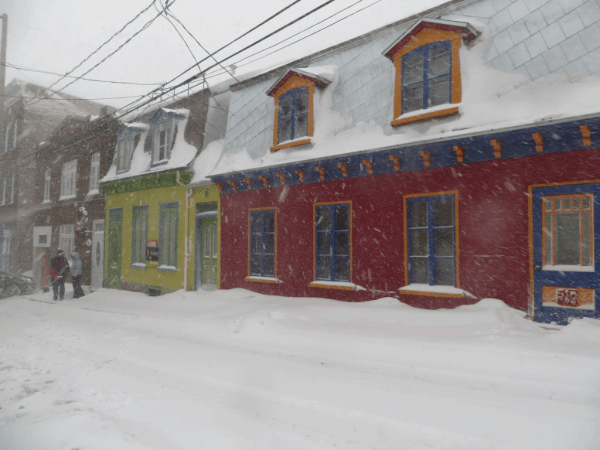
106, 42
29, 69
172, 88
146, 25
69, 99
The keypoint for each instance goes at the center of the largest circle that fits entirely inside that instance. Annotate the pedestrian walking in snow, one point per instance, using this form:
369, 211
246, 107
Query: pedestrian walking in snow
76, 274
59, 268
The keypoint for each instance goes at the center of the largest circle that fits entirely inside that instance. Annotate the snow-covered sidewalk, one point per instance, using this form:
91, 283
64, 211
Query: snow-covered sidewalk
238, 370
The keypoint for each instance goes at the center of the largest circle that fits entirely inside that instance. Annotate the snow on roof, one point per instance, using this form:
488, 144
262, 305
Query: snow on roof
320, 75
354, 115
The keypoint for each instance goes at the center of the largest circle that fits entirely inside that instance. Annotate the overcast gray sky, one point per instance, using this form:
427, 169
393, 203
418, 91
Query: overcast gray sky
56, 35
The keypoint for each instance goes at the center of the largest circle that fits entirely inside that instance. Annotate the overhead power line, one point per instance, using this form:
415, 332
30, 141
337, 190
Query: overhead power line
30, 69
146, 25
69, 98
103, 44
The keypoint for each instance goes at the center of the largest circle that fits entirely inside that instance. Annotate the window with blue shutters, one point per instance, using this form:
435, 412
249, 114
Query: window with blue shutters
293, 115
263, 242
333, 246
426, 77
431, 240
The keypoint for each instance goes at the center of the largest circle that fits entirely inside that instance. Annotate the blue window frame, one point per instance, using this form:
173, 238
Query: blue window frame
293, 115
139, 236
427, 77
263, 242
168, 230
333, 223
431, 242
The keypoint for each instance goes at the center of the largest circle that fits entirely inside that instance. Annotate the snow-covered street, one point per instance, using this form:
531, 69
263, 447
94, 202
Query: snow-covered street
237, 370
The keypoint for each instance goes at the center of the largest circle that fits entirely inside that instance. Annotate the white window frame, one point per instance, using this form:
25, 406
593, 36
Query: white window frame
68, 182
94, 172
9, 129
47, 180
66, 239
123, 159
157, 146
42, 231
11, 196
3, 188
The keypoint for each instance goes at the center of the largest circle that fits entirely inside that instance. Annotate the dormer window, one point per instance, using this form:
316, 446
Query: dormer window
160, 147
163, 130
123, 155
293, 115
427, 63
293, 93
426, 77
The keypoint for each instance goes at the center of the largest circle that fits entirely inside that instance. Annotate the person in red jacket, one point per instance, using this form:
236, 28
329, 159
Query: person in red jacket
59, 267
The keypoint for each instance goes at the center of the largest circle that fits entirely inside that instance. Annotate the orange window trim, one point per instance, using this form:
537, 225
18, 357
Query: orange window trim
316, 284
553, 212
424, 37
291, 144
456, 238
294, 82
348, 202
250, 210
431, 294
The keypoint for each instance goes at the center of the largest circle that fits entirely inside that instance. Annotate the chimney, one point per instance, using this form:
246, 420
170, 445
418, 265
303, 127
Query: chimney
107, 111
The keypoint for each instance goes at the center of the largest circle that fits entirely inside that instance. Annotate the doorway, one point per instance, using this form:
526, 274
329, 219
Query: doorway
97, 254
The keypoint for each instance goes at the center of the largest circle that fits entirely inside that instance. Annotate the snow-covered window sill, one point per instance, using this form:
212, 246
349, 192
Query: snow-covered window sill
93, 192
293, 143
425, 114
256, 279
340, 285
45, 202
67, 197
434, 291
167, 269
138, 265
567, 268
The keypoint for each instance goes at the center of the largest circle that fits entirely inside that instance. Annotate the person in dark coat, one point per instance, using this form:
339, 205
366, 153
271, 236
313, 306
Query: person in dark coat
76, 275
59, 268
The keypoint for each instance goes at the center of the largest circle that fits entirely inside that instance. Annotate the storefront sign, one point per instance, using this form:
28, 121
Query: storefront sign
152, 252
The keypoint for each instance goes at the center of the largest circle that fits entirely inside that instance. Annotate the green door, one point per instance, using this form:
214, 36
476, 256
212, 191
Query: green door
209, 251
115, 235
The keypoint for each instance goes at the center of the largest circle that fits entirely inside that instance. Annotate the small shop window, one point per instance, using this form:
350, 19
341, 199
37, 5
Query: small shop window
568, 230
332, 242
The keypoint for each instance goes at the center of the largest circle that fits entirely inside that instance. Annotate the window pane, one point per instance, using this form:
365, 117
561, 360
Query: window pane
439, 62
557, 204
567, 239
341, 218
284, 132
255, 223
255, 243
215, 246
419, 270
269, 266
342, 269
576, 203
269, 243
323, 244
255, 265
439, 91
285, 106
418, 243
322, 219
444, 271
269, 222
587, 225
300, 126
567, 204
418, 215
586, 202
548, 235
342, 246
444, 242
412, 98
412, 68
548, 204
323, 272
443, 213
302, 101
